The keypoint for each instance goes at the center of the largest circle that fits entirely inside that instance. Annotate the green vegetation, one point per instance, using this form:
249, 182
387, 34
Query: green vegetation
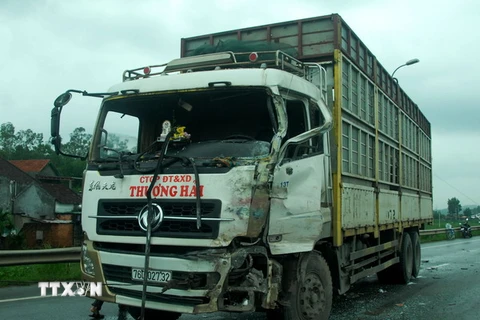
443, 236
32, 274
455, 223
454, 207
432, 238
11, 239
26, 145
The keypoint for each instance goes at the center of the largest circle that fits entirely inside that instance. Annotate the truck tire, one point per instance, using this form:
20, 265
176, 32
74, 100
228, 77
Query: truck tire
311, 293
417, 253
400, 273
403, 270
135, 312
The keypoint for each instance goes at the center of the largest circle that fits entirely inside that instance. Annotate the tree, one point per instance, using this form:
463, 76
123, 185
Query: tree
29, 139
476, 210
6, 223
437, 214
79, 142
114, 142
454, 206
7, 139
467, 212
24, 144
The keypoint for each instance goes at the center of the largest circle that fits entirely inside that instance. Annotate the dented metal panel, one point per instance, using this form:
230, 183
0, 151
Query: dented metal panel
295, 217
205, 262
233, 189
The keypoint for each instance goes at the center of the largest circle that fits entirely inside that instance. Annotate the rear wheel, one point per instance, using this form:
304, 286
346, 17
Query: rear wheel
404, 268
402, 271
135, 312
417, 253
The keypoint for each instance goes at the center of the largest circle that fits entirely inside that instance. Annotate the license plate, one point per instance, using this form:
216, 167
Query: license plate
153, 275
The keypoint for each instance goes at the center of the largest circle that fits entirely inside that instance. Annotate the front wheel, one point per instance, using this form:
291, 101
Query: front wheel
136, 312
311, 292
450, 234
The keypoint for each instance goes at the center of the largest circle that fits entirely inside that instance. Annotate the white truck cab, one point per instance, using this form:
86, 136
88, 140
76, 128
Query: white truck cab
212, 146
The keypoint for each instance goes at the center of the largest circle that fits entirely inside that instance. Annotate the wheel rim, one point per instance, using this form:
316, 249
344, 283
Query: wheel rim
311, 297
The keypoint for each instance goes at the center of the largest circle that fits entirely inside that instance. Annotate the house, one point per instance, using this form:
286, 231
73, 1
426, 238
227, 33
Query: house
36, 168
44, 207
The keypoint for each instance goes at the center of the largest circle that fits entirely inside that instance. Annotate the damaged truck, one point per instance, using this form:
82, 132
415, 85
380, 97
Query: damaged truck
265, 170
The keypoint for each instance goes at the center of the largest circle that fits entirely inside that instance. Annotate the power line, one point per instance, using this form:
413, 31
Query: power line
474, 202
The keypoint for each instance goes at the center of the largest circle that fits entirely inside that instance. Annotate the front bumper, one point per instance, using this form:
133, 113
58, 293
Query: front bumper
113, 269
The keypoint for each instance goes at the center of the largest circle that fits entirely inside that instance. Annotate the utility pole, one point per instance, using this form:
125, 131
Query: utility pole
439, 217
13, 194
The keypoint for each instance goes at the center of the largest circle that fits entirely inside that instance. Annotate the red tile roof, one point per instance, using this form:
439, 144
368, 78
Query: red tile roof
58, 191
31, 165
10, 171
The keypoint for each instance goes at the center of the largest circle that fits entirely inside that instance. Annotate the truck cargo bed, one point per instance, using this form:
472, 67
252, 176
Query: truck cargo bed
315, 39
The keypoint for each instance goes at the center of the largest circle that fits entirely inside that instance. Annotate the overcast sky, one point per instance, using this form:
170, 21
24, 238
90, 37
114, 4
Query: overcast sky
48, 47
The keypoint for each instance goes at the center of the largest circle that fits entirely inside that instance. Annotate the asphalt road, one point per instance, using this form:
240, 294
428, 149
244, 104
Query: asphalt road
448, 288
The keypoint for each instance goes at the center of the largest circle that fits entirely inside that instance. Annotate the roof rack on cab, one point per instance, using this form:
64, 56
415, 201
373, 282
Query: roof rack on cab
230, 60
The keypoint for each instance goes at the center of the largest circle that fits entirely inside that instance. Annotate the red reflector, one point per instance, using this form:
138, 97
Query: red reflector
253, 57
147, 70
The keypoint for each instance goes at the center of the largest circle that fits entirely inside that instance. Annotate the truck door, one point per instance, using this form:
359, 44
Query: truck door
295, 218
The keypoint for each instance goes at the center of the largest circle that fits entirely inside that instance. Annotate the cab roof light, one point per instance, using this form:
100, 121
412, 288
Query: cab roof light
253, 57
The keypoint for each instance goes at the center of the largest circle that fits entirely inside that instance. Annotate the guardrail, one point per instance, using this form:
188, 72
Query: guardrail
23, 257
441, 231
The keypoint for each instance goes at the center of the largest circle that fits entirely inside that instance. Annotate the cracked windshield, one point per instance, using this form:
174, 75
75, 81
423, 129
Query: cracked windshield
207, 125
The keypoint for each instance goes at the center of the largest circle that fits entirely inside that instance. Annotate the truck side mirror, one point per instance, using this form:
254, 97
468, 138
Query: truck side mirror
56, 139
62, 99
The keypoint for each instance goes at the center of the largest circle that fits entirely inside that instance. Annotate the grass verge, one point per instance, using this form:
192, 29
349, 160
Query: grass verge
34, 273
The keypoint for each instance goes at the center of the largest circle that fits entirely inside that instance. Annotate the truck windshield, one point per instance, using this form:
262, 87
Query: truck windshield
220, 123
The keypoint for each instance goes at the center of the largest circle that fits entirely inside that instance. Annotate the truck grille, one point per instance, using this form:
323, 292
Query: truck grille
168, 228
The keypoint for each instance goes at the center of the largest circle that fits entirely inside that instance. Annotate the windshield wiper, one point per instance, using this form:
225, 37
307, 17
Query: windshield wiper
122, 157
149, 154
